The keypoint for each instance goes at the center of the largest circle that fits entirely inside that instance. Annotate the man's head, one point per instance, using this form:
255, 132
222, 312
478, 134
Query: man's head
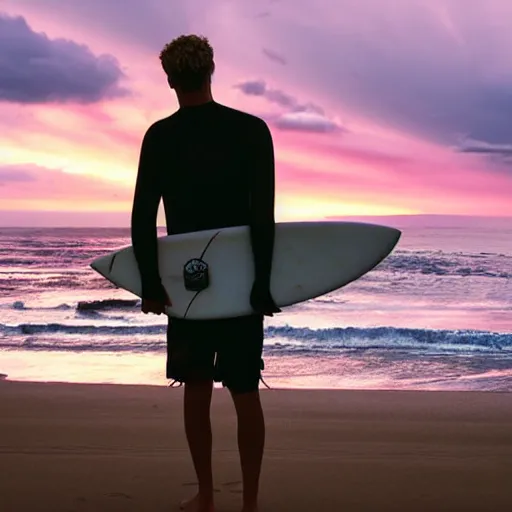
188, 63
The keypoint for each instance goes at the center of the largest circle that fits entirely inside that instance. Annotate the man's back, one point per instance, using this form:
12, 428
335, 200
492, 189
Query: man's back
209, 159
213, 166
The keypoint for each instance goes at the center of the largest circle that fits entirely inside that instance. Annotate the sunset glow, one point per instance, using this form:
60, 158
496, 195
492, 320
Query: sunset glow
372, 111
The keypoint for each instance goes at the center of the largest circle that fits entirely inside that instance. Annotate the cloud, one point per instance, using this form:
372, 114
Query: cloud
301, 116
283, 99
36, 69
274, 56
306, 121
480, 146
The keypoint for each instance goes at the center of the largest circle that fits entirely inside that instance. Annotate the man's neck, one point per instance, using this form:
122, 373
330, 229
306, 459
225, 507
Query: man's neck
193, 99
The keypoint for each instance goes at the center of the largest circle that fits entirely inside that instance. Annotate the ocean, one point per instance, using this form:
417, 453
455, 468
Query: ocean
435, 315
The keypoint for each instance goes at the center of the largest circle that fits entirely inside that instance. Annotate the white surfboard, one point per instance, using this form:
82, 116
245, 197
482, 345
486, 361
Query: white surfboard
310, 259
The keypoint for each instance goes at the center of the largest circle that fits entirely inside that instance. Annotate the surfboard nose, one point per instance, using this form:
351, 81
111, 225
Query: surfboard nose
391, 235
395, 234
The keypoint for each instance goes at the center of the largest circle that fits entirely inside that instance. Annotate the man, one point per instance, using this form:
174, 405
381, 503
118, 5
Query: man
213, 166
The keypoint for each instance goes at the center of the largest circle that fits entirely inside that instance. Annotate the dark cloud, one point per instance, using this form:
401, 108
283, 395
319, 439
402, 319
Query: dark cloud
272, 55
253, 87
283, 99
36, 69
478, 146
495, 153
301, 116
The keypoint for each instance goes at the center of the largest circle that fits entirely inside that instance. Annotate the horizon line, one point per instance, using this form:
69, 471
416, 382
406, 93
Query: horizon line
330, 218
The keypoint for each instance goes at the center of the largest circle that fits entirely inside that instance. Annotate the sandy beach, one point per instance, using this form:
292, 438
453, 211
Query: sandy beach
72, 447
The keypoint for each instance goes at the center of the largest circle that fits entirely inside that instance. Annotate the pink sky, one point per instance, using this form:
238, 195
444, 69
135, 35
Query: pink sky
376, 108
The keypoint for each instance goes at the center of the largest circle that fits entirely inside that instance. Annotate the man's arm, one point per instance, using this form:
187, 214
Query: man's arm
262, 192
144, 214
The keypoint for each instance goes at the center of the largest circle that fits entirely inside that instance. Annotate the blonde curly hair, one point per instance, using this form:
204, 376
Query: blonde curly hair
188, 62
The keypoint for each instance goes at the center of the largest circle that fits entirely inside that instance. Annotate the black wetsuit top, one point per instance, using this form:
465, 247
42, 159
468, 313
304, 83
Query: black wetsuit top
213, 166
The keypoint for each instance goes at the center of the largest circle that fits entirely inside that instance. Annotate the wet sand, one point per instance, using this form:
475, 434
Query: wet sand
77, 448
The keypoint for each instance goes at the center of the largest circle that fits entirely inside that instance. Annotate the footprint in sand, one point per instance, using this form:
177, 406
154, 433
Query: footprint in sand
231, 486
118, 495
186, 484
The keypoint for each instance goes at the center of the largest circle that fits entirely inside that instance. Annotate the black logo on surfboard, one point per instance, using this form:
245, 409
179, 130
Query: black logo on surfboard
195, 275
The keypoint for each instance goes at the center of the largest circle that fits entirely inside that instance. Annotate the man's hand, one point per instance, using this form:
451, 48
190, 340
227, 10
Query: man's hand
262, 301
155, 306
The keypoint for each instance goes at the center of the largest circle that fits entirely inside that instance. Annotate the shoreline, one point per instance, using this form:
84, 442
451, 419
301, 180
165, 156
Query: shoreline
384, 370
111, 447
4, 378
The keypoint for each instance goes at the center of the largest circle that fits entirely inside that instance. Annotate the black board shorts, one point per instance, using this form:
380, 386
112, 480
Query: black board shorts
223, 350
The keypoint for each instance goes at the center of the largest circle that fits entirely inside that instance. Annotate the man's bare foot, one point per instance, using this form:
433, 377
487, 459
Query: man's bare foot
198, 504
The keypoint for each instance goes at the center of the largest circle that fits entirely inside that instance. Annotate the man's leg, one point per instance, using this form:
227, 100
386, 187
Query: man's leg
251, 443
196, 409
190, 360
238, 363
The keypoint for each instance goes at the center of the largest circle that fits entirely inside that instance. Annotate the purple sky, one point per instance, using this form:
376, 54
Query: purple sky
376, 107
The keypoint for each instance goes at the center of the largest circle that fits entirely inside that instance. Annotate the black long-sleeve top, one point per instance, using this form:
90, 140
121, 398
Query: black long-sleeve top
213, 166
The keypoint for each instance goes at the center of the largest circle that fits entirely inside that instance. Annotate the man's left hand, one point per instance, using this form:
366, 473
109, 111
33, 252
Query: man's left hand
262, 301
155, 306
